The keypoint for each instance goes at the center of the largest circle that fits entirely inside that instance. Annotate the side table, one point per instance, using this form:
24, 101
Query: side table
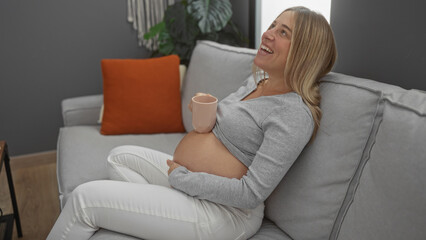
4, 156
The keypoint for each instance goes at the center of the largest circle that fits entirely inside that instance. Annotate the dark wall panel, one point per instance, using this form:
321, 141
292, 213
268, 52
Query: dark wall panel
240, 15
51, 50
384, 40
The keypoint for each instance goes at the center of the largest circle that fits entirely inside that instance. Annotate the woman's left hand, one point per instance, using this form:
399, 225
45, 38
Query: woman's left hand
172, 165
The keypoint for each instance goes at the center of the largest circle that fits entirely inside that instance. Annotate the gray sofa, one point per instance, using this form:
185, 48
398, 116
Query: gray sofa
362, 178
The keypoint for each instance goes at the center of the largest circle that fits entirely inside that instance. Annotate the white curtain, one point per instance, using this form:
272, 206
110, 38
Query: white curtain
144, 14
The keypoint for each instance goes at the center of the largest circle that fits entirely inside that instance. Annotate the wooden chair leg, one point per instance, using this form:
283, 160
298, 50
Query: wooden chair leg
11, 188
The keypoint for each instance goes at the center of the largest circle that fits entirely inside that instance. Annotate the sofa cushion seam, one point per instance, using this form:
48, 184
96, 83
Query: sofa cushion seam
405, 107
353, 85
354, 182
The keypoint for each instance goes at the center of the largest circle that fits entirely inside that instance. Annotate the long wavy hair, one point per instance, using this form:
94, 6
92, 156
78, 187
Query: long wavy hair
311, 56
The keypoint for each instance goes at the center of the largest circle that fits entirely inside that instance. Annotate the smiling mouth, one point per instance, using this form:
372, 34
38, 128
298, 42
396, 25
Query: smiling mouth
266, 49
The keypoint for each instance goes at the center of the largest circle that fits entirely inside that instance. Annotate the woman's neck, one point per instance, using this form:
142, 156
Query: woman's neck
276, 85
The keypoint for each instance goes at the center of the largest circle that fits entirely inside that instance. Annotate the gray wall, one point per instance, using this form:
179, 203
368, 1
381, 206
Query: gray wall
384, 40
51, 50
240, 15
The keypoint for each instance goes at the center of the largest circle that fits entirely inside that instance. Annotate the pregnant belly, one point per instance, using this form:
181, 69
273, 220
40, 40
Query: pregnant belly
205, 153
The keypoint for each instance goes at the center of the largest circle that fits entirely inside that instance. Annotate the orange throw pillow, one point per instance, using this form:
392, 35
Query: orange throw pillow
141, 96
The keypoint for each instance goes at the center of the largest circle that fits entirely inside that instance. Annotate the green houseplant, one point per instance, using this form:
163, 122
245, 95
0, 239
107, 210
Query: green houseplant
187, 21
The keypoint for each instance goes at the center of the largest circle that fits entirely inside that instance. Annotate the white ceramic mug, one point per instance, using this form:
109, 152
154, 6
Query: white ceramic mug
204, 113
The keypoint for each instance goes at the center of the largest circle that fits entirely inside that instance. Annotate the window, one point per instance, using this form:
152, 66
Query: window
268, 10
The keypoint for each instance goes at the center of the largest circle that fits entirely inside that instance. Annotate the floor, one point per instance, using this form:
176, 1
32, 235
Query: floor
34, 177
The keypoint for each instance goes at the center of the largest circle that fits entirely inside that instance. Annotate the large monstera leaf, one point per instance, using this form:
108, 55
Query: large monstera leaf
213, 15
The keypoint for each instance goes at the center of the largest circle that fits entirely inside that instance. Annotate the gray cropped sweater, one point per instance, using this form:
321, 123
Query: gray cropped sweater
266, 134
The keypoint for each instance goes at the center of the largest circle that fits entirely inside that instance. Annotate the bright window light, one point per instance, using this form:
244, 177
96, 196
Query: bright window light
268, 10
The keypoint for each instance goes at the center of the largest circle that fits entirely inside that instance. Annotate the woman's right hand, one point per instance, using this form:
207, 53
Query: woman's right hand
172, 165
197, 94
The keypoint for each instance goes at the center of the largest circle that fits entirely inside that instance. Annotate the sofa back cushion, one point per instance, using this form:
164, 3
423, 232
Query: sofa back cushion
216, 69
308, 200
390, 200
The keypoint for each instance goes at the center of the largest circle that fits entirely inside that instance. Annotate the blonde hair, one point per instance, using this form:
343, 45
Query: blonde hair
312, 55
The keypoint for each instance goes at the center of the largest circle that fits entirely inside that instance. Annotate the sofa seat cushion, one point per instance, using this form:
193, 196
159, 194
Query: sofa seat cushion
83, 151
390, 200
104, 234
267, 231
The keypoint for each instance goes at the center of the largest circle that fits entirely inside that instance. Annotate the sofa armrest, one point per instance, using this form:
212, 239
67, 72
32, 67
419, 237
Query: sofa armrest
82, 110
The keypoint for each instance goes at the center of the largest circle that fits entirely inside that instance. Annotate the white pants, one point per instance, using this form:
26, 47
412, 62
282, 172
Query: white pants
142, 204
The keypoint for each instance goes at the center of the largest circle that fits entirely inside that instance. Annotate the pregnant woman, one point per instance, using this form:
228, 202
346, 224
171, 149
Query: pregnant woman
214, 185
